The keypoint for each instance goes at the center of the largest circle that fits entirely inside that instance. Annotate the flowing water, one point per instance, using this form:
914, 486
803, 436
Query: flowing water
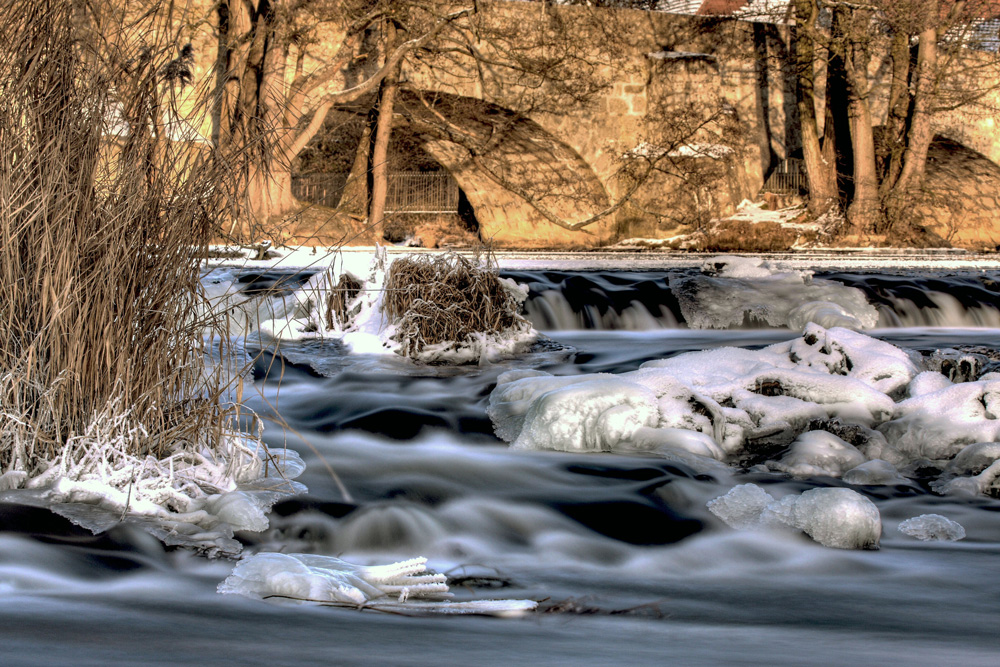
627, 562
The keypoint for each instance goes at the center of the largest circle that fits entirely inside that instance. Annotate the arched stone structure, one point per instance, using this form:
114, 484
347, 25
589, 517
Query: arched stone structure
523, 182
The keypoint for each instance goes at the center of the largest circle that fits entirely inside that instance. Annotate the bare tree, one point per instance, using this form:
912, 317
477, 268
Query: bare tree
926, 45
270, 103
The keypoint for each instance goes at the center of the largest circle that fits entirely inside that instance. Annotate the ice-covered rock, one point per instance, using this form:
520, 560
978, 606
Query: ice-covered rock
875, 472
816, 453
834, 517
932, 527
975, 458
937, 425
595, 415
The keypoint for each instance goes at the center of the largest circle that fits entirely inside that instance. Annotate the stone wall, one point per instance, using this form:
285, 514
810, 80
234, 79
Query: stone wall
961, 202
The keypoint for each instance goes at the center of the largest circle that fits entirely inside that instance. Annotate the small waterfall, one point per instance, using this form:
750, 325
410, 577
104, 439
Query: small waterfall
643, 301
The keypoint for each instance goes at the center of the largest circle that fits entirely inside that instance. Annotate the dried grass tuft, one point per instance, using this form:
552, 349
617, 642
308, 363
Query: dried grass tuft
436, 299
342, 294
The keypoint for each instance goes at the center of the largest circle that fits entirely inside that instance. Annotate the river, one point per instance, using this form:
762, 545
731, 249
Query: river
626, 562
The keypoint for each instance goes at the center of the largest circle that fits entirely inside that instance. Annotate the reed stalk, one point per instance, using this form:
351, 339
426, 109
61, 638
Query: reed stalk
103, 216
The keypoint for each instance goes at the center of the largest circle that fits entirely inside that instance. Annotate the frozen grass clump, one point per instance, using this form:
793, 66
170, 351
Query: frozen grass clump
442, 300
431, 308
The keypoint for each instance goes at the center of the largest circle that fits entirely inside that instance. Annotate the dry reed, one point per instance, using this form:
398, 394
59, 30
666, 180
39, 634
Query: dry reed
436, 299
102, 219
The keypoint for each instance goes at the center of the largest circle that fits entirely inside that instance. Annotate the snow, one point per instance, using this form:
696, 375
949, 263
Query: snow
834, 517
313, 258
932, 527
405, 586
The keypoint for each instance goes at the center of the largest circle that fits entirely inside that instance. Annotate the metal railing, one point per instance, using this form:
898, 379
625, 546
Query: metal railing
788, 178
409, 191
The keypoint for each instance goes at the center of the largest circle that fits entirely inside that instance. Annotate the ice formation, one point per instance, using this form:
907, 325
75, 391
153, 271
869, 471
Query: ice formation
734, 291
875, 472
356, 317
731, 397
831, 402
194, 495
932, 527
834, 517
403, 586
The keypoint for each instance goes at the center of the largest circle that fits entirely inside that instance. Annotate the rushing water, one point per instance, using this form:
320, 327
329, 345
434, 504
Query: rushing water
628, 564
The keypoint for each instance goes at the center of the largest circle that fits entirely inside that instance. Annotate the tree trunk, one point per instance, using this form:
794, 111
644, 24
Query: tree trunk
899, 104
380, 142
820, 174
918, 138
864, 212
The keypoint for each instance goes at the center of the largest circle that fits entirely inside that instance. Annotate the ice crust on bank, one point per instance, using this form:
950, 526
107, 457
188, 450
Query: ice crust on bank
405, 586
834, 517
831, 402
364, 328
932, 527
737, 291
192, 495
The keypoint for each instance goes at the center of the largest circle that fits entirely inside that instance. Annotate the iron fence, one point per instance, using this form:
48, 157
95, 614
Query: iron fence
409, 191
789, 177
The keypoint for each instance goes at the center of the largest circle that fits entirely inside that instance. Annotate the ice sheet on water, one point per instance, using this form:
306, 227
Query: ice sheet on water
198, 506
932, 527
734, 291
834, 517
405, 586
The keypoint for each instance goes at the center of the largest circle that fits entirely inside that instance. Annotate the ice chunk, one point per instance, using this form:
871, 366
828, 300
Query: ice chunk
677, 440
834, 517
874, 473
316, 578
241, 510
745, 291
742, 507
819, 453
928, 527
594, 415
405, 586
839, 518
